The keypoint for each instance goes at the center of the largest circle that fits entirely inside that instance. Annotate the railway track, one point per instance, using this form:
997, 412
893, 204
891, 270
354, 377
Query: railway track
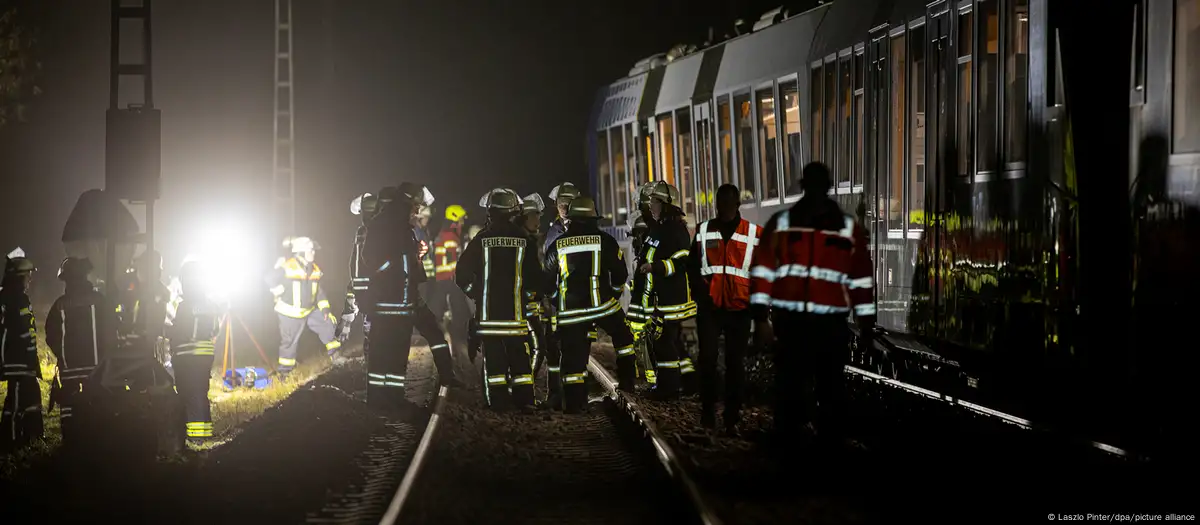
609, 465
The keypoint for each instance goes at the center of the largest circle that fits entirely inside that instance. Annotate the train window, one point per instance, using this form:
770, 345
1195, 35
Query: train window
1016, 88
745, 146
666, 150
831, 96
815, 107
895, 183
966, 144
845, 147
768, 140
1187, 76
605, 178
725, 131
859, 151
687, 183
988, 71
791, 151
649, 145
624, 181
916, 103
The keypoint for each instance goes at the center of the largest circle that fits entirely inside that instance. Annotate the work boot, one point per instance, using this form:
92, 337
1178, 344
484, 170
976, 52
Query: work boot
626, 374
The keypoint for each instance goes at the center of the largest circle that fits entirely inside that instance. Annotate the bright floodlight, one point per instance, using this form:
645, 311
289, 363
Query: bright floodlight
226, 252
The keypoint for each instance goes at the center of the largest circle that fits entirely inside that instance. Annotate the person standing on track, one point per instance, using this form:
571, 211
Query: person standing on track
193, 339
591, 274
810, 270
22, 417
530, 219
81, 331
499, 270
394, 305
445, 294
300, 301
724, 251
671, 290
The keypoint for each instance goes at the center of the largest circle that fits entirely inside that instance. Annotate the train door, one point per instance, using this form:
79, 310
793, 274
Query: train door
703, 161
877, 152
939, 123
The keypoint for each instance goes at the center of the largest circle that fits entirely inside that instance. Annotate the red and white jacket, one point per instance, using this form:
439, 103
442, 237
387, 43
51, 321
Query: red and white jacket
725, 265
815, 270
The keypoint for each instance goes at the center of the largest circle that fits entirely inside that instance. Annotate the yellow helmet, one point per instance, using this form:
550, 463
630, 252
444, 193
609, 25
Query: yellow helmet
455, 213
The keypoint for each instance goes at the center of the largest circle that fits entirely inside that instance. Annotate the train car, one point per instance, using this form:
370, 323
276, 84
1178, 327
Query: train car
951, 128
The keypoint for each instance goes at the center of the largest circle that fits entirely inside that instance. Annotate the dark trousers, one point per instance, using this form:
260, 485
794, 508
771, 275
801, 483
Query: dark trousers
191, 381
507, 365
71, 407
668, 354
427, 325
735, 326
546, 351
447, 296
290, 330
391, 340
21, 421
810, 359
576, 348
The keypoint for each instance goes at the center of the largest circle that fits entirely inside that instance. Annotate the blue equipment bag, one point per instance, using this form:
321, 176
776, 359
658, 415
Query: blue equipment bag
250, 377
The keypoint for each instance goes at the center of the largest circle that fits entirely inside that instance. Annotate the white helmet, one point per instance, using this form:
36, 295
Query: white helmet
533, 203
565, 190
300, 244
356, 204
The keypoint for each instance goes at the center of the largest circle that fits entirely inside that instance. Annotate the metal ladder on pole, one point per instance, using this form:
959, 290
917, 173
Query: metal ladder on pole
284, 180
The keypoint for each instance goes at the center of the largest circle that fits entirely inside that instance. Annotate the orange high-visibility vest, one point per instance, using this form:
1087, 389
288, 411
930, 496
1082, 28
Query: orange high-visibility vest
726, 265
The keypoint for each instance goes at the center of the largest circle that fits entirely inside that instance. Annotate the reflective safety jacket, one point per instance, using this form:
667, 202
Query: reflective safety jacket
590, 273
197, 324
725, 252
667, 290
392, 263
813, 258
445, 253
358, 274
500, 271
297, 288
18, 336
143, 309
80, 330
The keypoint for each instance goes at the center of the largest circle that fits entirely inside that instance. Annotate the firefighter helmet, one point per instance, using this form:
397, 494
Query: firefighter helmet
644, 192
455, 213
361, 204
532, 203
301, 244
18, 264
501, 200
582, 208
414, 193
564, 193
665, 193
74, 268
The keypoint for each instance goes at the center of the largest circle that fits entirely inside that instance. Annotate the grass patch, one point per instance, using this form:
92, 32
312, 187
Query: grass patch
229, 409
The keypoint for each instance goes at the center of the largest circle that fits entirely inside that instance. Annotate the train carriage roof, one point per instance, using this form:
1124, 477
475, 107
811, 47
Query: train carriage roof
621, 100
847, 24
769, 53
679, 83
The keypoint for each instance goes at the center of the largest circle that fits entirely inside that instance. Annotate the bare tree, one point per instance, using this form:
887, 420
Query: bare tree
19, 67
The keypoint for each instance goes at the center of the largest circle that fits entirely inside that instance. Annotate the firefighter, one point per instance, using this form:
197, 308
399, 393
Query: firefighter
669, 289
142, 310
446, 295
810, 308
193, 338
300, 301
530, 220
364, 207
499, 270
562, 195
641, 221
420, 225
724, 251
395, 307
590, 275
81, 331
21, 421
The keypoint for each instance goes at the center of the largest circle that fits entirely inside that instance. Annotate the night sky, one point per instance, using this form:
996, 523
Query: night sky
459, 95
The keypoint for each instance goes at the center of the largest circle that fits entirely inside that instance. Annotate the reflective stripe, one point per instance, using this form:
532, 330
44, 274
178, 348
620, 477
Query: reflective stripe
811, 307
574, 379
628, 350
286, 361
864, 309
497, 379
815, 272
667, 364
762, 272
333, 345
523, 379
862, 282
729, 270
